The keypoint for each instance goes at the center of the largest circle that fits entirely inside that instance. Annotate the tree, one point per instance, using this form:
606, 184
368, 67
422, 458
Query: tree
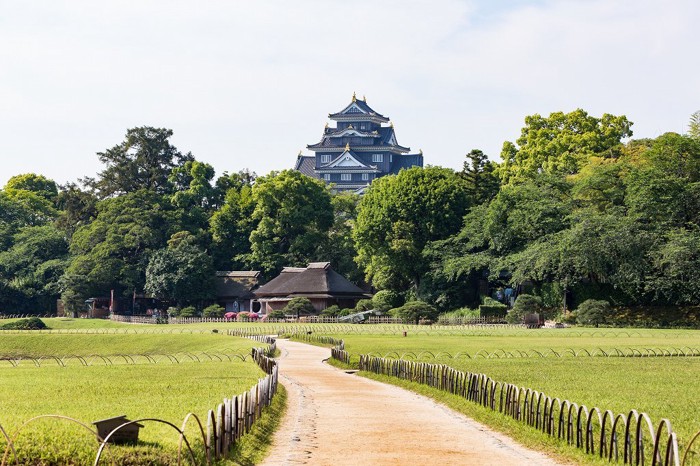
480, 174
76, 208
562, 143
31, 268
144, 160
694, 126
399, 215
37, 184
338, 247
230, 227
292, 214
526, 211
182, 272
676, 274
593, 312
415, 311
524, 304
383, 300
298, 307
112, 252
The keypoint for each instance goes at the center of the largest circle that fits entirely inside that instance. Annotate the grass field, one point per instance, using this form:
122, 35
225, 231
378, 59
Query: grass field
663, 387
166, 390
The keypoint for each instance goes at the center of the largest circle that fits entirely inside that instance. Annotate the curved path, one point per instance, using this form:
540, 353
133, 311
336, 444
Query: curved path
335, 418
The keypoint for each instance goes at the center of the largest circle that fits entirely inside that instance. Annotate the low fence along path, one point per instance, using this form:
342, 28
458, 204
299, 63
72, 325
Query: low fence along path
335, 418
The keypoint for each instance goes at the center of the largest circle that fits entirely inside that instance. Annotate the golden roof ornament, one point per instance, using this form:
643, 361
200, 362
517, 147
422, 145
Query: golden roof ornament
347, 146
391, 124
354, 97
420, 151
350, 126
326, 125
299, 153
364, 99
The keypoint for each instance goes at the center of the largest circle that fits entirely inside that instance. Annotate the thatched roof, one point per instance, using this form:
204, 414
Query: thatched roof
236, 284
316, 280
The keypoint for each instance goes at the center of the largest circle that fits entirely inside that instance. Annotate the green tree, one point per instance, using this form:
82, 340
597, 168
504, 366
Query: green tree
230, 227
399, 215
299, 307
694, 126
415, 311
31, 268
562, 143
338, 247
293, 213
593, 312
112, 252
383, 300
480, 174
676, 273
524, 304
144, 160
76, 208
37, 184
526, 211
182, 272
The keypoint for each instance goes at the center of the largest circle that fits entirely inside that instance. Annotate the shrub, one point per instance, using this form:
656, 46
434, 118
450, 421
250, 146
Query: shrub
384, 300
364, 305
492, 308
189, 311
277, 314
346, 312
331, 311
173, 312
32, 323
246, 316
299, 306
525, 304
463, 313
593, 312
414, 311
213, 311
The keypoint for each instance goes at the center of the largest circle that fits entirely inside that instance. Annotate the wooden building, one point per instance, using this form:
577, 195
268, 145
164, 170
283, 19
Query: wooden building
318, 282
234, 290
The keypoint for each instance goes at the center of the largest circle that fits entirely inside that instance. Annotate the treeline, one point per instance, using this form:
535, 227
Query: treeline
571, 212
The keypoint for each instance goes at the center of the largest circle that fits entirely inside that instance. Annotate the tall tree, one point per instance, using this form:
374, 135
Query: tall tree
183, 272
399, 215
292, 215
112, 252
562, 143
480, 175
144, 160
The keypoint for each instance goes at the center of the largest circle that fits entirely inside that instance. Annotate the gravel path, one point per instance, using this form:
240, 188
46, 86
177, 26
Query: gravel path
335, 418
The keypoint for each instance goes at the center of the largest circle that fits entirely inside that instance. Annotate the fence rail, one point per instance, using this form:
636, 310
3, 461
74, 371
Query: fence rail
221, 429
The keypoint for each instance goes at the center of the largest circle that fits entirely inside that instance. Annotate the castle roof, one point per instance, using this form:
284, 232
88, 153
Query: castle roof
358, 110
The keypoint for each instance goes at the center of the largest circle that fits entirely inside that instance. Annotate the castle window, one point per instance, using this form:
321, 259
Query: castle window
325, 158
327, 176
345, 177
365, 176
377, 157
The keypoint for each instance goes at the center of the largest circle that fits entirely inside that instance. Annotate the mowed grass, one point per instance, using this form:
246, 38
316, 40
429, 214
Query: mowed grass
165, 390
663, 387
34, 345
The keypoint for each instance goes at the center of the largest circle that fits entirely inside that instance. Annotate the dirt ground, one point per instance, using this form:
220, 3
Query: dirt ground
335, 418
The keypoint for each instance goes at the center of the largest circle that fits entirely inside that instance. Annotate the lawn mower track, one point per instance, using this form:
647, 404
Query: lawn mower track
335, 418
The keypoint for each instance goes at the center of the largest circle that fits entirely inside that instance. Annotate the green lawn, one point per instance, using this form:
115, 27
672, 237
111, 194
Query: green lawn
663, 387
165, 390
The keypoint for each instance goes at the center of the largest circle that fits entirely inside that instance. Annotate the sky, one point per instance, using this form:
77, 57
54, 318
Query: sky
248, 84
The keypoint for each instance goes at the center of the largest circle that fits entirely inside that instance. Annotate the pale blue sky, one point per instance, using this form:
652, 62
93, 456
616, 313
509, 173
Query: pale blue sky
249, 84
